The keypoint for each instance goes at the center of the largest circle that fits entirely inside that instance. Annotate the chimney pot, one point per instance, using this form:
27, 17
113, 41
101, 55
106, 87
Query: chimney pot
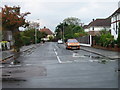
119, 4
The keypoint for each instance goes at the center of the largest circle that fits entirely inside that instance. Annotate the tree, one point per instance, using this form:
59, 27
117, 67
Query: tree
59, 31
18, 42
28, 36
70, 28
12, 20
78, 29
28, 33
72, 21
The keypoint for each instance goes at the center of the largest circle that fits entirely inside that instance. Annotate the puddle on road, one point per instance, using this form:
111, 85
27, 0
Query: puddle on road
99, 59
6, 75
93, 58
103, 61
16, 71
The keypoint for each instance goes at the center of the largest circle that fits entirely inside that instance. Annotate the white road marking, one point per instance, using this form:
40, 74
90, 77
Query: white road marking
56, 53
57, 56
54, 49
73, 55
28, 64
59, 59
17, 65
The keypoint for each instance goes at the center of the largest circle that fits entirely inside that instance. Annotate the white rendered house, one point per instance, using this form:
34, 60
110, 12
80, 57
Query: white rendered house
97, 25
115, 19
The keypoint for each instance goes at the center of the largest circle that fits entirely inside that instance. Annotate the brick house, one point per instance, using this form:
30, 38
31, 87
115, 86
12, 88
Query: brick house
48, 32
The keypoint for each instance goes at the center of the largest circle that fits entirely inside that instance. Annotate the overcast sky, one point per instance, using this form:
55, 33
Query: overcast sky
51, 12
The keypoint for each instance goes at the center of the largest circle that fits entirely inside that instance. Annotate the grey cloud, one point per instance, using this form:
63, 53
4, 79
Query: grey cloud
52, 13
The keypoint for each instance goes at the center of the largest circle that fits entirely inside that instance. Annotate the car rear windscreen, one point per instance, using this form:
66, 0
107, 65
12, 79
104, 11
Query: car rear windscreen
72, 40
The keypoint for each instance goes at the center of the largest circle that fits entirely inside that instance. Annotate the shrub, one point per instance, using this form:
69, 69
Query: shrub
25, 40
106, 39
97, 39
113, 43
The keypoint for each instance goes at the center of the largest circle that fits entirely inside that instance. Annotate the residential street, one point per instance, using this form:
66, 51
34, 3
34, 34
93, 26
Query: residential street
50, 65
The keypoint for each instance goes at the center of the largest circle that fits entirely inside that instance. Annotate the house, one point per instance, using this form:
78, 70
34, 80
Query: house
48, 32
94, 27
85, 27
115, 19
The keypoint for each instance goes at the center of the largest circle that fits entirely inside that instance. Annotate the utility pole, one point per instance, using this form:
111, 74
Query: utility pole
35, 36
37, 28
63, 33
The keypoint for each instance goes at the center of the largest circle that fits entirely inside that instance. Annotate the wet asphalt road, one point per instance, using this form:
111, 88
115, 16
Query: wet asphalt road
52, 66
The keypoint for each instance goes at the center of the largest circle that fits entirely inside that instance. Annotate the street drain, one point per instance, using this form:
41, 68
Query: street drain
12, 79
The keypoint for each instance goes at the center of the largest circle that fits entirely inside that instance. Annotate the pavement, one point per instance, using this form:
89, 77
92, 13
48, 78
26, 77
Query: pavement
10, 53
106, 53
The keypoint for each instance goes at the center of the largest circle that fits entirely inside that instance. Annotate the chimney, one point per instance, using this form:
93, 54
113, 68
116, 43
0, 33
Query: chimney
119, 4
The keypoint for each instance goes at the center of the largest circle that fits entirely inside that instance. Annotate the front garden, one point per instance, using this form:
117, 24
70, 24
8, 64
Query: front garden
106, 41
